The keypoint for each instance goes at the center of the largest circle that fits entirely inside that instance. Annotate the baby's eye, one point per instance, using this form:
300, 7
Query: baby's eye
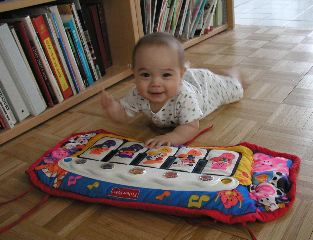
167, 75
145, 75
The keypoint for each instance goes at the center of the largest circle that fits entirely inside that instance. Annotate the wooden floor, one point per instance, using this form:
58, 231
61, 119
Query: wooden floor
276, 112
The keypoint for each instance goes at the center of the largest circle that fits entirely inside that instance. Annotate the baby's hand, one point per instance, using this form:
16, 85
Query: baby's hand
158, 141
106, 100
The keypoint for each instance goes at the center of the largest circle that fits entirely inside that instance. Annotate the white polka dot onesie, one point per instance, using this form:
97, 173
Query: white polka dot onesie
201, 93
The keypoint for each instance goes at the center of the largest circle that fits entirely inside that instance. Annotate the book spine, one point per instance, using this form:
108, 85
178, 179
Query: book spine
77, 60
84, 42
29, 70
28, 49
71, 25
158, 9
44, 75
90, 33
153, 12
6, 110
63, 38
50, 51
65, 54
161, 15
176, 16
183, 21
13, 95
170, 16
36, 42
105, 36
72, 81
95, 19
197, 19
3, 122
23, 78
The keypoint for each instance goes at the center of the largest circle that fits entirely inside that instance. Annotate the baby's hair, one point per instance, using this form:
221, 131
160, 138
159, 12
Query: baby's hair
161, 39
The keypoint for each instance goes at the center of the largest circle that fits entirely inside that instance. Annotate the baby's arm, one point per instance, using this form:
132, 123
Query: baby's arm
180, 135
113, 109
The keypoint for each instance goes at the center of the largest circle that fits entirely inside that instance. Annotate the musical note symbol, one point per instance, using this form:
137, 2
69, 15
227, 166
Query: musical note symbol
163, 195
94, 185
196, 201
72, 180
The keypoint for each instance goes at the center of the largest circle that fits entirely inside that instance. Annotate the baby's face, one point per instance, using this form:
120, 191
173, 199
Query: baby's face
158, 74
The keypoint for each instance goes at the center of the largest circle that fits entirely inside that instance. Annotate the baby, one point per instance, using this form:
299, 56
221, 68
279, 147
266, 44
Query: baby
168, 93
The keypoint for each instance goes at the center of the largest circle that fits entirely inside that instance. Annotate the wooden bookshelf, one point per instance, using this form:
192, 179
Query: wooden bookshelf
113, 76
124, 25
121, 43
18, 4
197, 40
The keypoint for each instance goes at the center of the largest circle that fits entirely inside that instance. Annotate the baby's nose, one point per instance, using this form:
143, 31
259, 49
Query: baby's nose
156, 81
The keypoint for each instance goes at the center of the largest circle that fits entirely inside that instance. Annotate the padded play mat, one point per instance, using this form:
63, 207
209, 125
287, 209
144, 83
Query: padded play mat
233, 184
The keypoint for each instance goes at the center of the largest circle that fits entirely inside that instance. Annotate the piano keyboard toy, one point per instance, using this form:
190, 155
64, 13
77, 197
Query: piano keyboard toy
231, 184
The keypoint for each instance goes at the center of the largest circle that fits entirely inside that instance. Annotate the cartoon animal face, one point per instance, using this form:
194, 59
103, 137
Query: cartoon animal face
157, 155
263, 162
263, 190
269, 203
76, 142
189, 157
280, 181
128, 152
223, 161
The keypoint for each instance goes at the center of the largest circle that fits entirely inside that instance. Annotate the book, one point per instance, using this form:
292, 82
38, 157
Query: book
170, 15
90, 32
187, 23
66, 48
20, 74
208, 17
40, 75
161, 15
9, 119
84, 42
153, 12
147, 6
176, 16
72, 80
31, 33
165, 15
3, 123
68, 22
105, 35
218, 16
181, 18
52, 28
146, 17
52, 56
95, 19
158, 9
75, 53
86, 33
196, 16
11, 93
45, 76
224, 18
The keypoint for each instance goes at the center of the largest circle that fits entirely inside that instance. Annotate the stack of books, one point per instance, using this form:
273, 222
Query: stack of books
48, 54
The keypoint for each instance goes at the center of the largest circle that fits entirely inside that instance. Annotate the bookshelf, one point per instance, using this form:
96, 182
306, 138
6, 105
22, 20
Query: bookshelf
120, 15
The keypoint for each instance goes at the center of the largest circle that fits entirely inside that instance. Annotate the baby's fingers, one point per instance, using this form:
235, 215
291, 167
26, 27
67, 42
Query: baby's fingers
157, 142
150, 142
106, 99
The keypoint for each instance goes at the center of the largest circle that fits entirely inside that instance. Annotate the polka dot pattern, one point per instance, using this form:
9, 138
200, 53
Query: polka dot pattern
201, 93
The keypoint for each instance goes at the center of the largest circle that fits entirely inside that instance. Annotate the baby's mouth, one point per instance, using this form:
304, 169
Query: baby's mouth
155, 93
